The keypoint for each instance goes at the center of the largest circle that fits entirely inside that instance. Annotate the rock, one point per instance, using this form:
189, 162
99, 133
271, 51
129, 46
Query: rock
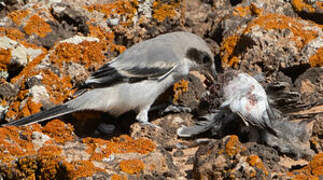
312, 170
228, 158
284, 42
308, 84
310, 9
48, 48
58, 152
15, 54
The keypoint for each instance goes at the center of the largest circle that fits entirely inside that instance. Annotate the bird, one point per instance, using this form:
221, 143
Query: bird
134, 79
243, 96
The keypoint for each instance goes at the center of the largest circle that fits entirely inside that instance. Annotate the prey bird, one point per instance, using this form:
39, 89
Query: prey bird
243, 97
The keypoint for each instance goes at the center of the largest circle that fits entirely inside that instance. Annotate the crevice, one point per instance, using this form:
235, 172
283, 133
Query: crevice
295, 71
235, 2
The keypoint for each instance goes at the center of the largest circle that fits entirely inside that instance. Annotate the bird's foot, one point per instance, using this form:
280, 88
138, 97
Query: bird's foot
176, 109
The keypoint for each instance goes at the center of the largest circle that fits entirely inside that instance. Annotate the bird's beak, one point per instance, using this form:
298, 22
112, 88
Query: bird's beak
213, 71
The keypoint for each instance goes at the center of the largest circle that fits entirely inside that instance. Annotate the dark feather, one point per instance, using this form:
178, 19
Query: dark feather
51, 113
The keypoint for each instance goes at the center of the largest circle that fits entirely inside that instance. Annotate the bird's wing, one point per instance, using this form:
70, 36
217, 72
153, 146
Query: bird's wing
140, 62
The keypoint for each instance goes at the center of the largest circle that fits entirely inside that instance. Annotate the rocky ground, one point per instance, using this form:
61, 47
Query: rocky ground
48, 48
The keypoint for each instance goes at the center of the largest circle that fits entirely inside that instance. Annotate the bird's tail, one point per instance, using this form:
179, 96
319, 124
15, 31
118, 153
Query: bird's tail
209, 121
51, 113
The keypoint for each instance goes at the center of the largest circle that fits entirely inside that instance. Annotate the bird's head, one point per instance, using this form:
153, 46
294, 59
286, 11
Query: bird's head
203, 60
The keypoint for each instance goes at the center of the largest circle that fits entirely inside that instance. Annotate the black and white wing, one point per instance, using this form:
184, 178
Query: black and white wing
140, 62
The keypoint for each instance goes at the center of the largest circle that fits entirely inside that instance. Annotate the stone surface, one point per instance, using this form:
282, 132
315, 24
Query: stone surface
48, 48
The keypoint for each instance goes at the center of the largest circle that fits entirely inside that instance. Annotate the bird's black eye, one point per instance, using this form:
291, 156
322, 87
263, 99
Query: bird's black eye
200, 57
206, 59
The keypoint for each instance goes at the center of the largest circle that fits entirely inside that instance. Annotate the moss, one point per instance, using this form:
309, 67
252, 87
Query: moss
233, 146
133, 166
179, 88
163, 10
59, 131
36, 25
317, 59
18, 16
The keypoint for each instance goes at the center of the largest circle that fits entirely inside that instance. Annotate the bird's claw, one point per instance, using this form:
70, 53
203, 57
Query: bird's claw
176, 109
150, 124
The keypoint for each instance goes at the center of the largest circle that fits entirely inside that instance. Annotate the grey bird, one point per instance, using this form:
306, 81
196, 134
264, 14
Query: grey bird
134, 79
243, 96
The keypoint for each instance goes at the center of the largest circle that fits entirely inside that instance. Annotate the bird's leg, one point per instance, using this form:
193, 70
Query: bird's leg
176, 109
142, 117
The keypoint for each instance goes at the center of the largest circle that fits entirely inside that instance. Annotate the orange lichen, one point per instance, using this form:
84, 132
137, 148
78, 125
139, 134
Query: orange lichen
256, 10
133, 166
255, 161
312, 171
12, 33
163, 10
59, 131
317, 59
58, 87
14, 143
122, 144
179, 88
89, 54
233, 146
301, 36
301, 5
49, 159
241, 11
316, 164
81, 168
36, 25
18, 16
227, 47
127, 8
5, 58
118, 177
30, 108
27, 71
278, 21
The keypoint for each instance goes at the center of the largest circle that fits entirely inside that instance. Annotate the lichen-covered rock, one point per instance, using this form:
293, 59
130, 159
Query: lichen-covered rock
53, 151
48, 48
228, 158
272, 42
311, 9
